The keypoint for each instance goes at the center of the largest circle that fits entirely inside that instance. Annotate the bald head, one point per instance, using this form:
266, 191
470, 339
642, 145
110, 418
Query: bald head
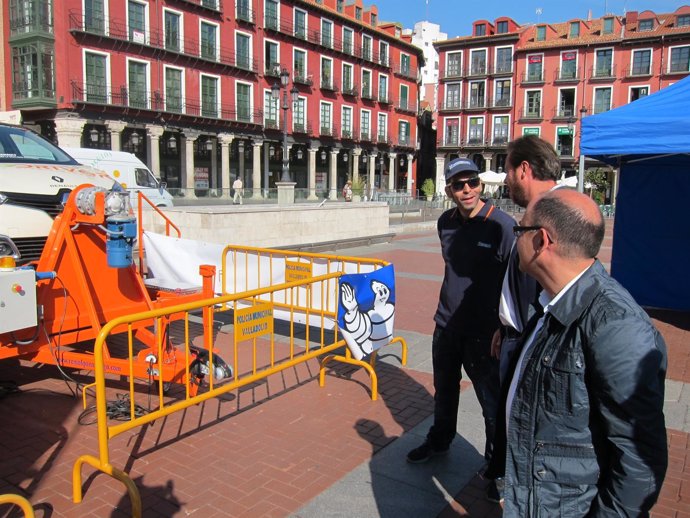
572, 219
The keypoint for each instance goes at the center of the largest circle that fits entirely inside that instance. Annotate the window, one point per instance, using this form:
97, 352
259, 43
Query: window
373, 20
568, 65
405, 64
683, 20
382, 131
404, 133
504, 60
271, 58
173, 89
299, 58
358, 13
243, 93
348, 40
574, 30
502, 90
453, 96
477, 90
602, 99
534, 67
326, 119
136, 20
346, 122
94, 16
173, 34
96, 66
637, 92
300, 24
564, 141
480, 29
327, 33
33, 71
501, 125
533, 104
271, 18
348, 85
680, 59
209, 96
271, 119
244, 12
604, 63
366, 47
383, 88
452, 128
365, 124
541, 33
476, 131
383, 53
339, 5
642, 62
366, 84
208, 39
502, 27
243, 51
299, 115
478, 62
404, 97
454, 64
645, 25
566, 104
608, 26
327, 73
137, 79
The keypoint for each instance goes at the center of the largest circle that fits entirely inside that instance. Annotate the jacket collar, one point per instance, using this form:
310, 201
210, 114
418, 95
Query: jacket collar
573, 303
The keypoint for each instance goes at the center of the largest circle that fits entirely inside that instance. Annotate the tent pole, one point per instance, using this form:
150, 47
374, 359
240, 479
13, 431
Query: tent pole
581, 174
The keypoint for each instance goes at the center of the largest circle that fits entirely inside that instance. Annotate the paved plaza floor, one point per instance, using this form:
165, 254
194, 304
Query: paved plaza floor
286, 447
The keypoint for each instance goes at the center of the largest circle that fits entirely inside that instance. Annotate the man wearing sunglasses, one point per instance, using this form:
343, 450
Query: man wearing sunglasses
476, 239
582, 418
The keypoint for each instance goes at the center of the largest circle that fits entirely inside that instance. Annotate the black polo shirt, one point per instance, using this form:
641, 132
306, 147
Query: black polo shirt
475, 252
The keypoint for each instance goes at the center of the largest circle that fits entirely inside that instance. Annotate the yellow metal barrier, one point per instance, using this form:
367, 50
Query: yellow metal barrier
19, 501
304, 303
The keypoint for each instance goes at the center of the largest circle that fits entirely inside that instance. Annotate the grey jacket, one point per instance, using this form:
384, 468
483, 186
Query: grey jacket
586, 435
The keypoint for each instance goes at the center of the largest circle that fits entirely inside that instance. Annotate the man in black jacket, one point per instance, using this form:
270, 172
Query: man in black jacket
584, 430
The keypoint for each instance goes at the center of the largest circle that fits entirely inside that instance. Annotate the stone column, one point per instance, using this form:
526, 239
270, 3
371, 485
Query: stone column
256, 169
356, 153
333, 175
409, 173
311, 166
267, 165
115, 128
240, 165
154, 134
487, 161
392, 176
440, 177
225, 140
69, 130
372, 176
187, 180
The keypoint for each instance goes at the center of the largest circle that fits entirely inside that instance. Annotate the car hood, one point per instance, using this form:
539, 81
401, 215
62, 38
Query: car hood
49, 178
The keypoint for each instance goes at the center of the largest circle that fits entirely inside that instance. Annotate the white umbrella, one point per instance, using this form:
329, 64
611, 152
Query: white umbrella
571, 181
492, 181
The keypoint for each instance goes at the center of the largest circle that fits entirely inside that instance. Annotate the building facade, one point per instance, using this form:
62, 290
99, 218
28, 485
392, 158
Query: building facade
189, 86
508, 80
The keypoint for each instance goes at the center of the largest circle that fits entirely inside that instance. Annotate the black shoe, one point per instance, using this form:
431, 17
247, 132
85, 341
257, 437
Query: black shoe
494, 491
424, 452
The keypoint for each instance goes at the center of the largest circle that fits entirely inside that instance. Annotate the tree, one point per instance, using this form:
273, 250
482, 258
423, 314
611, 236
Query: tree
597, 181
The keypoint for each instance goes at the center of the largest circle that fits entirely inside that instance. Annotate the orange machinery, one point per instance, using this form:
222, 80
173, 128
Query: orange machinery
84, 278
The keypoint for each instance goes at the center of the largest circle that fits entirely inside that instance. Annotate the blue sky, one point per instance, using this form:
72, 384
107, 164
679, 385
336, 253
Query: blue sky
456, 16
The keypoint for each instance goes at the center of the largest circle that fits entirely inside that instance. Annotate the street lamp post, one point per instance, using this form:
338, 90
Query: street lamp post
275, 93
581, 169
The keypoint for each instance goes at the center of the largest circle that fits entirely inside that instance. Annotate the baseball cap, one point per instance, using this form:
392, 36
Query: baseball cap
460, 165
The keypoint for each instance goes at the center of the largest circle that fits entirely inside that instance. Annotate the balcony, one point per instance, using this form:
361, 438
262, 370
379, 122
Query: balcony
302, 79
567, 75
117, 30
502, 103
215, 6
300, 127
532, 78
271, 23
449, 141
364, 136
327, 131
476, 104
675, 68
454, 72
530, 115
382, 138
350, 90
631, 72
499, 141
28, 95
271, 124
475, 142
367, 95
346, 134
603, 73
502, 69
97, 95
383, 98
564, 113
404, 71
404, 141
406, 106
328, 84
477, 70
245, 14
450, 106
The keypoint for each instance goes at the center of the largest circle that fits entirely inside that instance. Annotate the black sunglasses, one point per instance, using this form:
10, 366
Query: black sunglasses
459, 185
518, 230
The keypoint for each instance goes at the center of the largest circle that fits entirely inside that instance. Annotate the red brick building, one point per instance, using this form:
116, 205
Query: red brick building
507, 80
186, 85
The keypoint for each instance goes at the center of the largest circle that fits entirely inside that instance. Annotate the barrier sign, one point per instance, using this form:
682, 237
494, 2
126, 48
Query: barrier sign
253, 322
297, 271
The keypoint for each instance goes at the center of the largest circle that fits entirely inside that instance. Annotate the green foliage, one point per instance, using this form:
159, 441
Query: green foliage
599, 181
358, 186
428, 187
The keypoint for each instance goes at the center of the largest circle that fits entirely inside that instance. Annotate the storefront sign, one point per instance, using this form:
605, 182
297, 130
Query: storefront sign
531, 131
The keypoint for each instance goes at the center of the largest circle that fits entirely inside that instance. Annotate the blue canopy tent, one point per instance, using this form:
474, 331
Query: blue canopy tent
649, 140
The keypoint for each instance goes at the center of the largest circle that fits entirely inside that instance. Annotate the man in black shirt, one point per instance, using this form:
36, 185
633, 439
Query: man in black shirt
476, 239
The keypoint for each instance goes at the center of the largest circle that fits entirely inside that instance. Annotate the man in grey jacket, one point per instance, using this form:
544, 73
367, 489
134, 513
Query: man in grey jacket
584, 429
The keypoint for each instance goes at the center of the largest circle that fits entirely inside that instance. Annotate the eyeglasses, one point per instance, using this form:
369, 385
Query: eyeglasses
518, 230
459, 185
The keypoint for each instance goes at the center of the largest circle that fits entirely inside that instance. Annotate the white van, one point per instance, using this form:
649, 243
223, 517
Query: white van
128, 170
35, 179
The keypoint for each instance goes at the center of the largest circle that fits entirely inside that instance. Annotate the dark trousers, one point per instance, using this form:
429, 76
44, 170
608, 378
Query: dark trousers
451, 351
